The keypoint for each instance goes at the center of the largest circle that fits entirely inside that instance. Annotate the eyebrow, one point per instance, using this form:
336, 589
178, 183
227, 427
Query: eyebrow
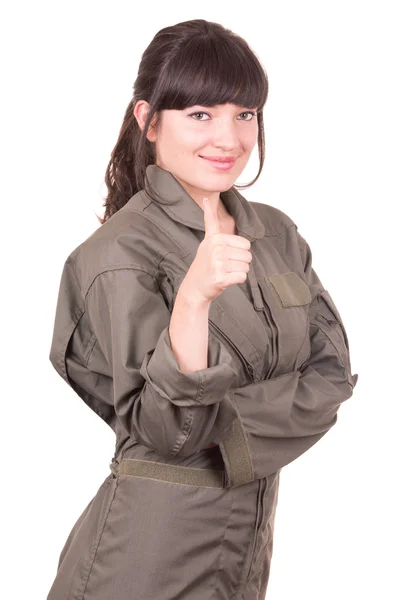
216, 106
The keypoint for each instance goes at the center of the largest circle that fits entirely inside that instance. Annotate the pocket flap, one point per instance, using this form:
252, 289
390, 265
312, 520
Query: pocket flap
289, 289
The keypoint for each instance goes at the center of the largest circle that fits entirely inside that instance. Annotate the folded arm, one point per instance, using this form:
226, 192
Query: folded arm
284, 416
160, 406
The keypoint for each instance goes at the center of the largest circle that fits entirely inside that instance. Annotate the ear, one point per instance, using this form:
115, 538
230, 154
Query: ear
141, 111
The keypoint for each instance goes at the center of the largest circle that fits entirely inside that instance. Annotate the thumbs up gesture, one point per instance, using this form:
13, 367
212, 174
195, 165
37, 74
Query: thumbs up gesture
222, 259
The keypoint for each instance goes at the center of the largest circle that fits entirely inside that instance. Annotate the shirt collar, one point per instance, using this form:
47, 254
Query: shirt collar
181, 207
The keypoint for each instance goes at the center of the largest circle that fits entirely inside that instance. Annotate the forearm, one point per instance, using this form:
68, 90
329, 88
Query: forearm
188, 331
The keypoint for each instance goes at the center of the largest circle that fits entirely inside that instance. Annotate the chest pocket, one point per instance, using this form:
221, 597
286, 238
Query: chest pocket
289, 290
288, 297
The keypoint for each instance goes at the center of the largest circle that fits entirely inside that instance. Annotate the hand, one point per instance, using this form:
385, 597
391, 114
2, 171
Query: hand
222, 259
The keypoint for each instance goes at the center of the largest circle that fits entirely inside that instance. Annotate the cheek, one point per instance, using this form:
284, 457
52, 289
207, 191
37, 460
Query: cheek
193, 139
249, 139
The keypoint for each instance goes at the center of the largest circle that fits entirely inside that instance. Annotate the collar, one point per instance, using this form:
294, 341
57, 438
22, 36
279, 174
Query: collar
180, 206
164, 188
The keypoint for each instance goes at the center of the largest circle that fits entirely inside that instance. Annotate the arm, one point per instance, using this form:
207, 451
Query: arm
190, 314
159, 405
284, 416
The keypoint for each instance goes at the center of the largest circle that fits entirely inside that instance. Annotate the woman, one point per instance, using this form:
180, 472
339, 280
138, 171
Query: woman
193, 323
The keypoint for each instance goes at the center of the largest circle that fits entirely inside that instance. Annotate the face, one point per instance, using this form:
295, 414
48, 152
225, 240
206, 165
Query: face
184, 137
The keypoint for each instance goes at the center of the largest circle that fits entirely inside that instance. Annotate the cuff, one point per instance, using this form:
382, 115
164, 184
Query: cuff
206, 386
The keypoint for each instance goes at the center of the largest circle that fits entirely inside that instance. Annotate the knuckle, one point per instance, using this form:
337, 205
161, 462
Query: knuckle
218, 251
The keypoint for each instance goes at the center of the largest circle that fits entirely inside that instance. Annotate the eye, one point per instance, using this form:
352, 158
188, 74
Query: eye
198, 113
249, 112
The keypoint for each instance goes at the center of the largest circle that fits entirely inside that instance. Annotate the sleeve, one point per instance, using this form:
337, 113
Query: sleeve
160, 406
284, 416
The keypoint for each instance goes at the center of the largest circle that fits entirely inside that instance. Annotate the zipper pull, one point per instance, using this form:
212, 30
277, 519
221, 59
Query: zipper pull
253, 284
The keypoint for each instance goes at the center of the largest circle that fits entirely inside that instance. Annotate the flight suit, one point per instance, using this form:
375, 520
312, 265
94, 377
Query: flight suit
176, 519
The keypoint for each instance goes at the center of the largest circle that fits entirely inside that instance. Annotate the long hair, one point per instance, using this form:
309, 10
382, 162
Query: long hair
192, 62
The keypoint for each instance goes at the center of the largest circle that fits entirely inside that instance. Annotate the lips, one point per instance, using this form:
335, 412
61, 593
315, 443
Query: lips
219, 159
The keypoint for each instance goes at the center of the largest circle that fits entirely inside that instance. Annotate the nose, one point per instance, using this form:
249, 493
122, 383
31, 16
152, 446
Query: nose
226, 135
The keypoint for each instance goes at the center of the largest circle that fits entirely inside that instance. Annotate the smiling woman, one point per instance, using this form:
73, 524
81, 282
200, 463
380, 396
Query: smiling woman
182, 111
204, 339
224, 141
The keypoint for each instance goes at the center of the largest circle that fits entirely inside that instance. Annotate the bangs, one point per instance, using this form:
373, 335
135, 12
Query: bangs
207, 73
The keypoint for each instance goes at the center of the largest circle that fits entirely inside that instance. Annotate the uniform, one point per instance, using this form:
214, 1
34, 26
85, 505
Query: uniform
175, 520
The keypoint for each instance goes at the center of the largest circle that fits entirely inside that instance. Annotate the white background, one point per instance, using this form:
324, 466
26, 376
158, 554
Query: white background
330, 123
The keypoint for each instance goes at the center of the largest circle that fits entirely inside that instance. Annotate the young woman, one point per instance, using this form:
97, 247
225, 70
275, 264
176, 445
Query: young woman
192, 322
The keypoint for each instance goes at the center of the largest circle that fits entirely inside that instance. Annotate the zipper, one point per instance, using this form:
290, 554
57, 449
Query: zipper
274, 330
341, 347
246, 363
335, 324
259, 523
260, 304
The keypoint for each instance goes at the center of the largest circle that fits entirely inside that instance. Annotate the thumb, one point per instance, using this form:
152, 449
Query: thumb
211, 223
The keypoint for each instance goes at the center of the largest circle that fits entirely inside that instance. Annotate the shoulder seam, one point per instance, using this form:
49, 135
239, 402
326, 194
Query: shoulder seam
133, 267
163, 229
282, 224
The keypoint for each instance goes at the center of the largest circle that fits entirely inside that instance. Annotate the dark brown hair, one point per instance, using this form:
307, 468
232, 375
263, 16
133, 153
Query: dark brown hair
192, 62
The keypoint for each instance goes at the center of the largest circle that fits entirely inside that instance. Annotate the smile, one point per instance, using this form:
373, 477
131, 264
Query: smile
221, 165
